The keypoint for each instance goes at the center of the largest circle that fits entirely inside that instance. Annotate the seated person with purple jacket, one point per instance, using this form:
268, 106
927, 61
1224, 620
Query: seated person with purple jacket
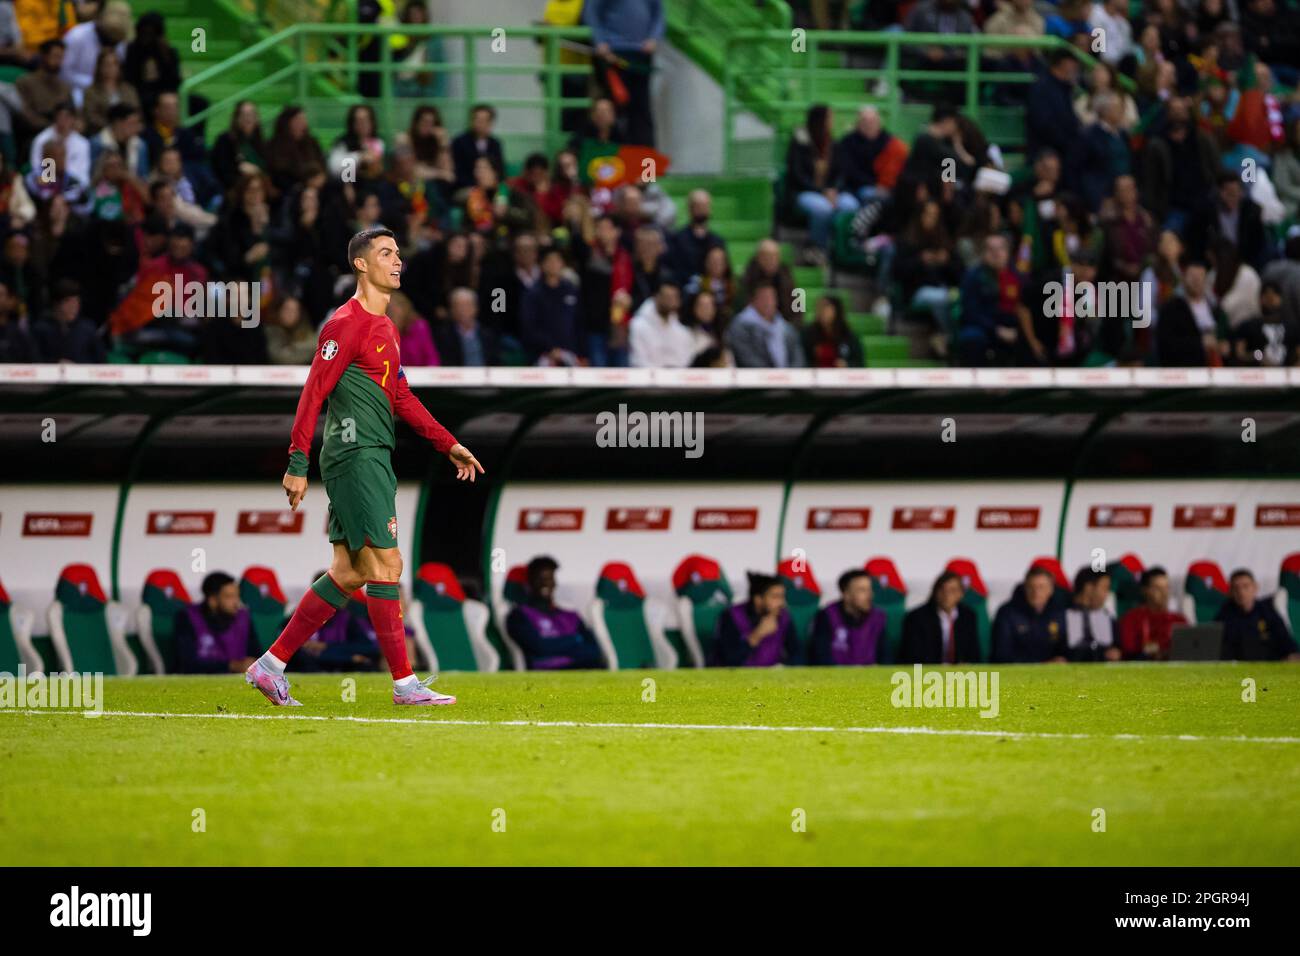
550, 637
757, 632
346, 642
216, 635
850, 631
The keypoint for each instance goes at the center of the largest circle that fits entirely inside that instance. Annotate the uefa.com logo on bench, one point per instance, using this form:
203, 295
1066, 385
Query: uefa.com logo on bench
38, 691
76, 909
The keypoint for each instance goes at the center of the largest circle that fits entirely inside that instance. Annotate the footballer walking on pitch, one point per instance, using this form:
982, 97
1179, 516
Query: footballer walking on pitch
357, 367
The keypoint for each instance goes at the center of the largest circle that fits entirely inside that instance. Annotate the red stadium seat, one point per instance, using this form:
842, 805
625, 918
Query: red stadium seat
803, 595
450, 629
163, 596
976, 597
1204, 590
16, 638
259, 589
1053, 566
629, 629
703, 593
890, 597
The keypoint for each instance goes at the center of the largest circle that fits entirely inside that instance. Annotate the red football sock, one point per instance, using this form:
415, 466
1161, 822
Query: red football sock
315, 609
385, 607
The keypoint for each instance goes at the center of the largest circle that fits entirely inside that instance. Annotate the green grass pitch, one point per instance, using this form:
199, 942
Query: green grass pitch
124, 789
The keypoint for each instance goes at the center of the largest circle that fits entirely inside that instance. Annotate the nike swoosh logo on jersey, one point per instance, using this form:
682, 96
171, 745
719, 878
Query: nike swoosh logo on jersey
380, 348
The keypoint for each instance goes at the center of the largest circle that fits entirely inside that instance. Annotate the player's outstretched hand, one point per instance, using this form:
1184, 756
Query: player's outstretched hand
296, 489
465, 463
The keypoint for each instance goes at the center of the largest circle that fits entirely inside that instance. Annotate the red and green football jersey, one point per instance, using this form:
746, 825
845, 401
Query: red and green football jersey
357, 367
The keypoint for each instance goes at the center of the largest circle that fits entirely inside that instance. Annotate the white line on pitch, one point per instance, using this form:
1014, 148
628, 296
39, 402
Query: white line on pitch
632, 725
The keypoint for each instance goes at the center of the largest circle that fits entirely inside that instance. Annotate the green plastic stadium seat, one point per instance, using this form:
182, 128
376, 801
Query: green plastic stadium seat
163, 597
890, 597
16, 638
803, 597
1288, 590
976, 597
450, 628
1125, 575
89, 633
628, 628
259, 589
702, 595
1204, 590
513, 591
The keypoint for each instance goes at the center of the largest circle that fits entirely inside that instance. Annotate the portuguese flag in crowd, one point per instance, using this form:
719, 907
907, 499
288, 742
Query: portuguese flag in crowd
1258, 119
610, 165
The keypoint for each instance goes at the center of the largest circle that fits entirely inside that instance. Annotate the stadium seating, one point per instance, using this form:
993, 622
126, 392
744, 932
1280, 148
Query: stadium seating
450, 628
1125, 587
890, 597
89, 631
512, 592
976, 597
702, 595
803, 596
629, 629
1287, 598
163, 596
260, 591
16, 638
1204, 591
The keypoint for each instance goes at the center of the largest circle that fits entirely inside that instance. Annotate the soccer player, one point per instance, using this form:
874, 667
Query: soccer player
358, 368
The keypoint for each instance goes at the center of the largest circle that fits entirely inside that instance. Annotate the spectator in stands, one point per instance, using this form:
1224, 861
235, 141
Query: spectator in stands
1180, 167
415, 335
551, 637
215, 636
813, 176
1252, 629
504, 283
766, 267
108, 31
462, 340
16, 343
67, 336
240, 150
650, 266
170, 171
122, 136
1272, 33
827, 340
1233, 217
1069, 19
226, 340
927, 269
1286, 273
164, 131
134, 317
152, 65
107, 90
43, 91
693, 242
707, 325
476, 142
1144, 630
1105, 152
715, 280
1130, 232
359, 147
850, 631
943, 630
760, 337
656, 337
1111, 18
13, 52
599, 126
1102, 83
242, 235
605, 283
1016, 18
16, 206
1190, 326
860, 154
1268, 338
759, 631
627, 35
938, 16
290, 339
1286, 171
1089, 629
549, 323
1233, 284
293, 151
429, 138
1030, 628
76, 159
18, 272
1050, 120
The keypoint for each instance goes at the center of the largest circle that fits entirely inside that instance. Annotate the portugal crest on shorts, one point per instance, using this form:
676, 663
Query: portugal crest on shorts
392, 528
329, 350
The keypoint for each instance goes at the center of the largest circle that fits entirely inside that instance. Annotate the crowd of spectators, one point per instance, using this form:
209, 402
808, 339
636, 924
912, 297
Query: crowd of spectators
105, 193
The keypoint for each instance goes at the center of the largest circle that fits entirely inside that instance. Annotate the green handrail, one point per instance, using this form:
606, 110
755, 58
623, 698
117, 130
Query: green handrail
774, 75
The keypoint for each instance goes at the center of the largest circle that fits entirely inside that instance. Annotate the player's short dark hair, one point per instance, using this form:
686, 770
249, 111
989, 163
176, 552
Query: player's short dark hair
66, 289
1241, 573
536, 161
214, 582
760, 584
49, 45
359, 244
1153, 572
543, 562
1085, 577
1038, 569
943, 579
943, 111
849, 576
483, 108
120, 111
